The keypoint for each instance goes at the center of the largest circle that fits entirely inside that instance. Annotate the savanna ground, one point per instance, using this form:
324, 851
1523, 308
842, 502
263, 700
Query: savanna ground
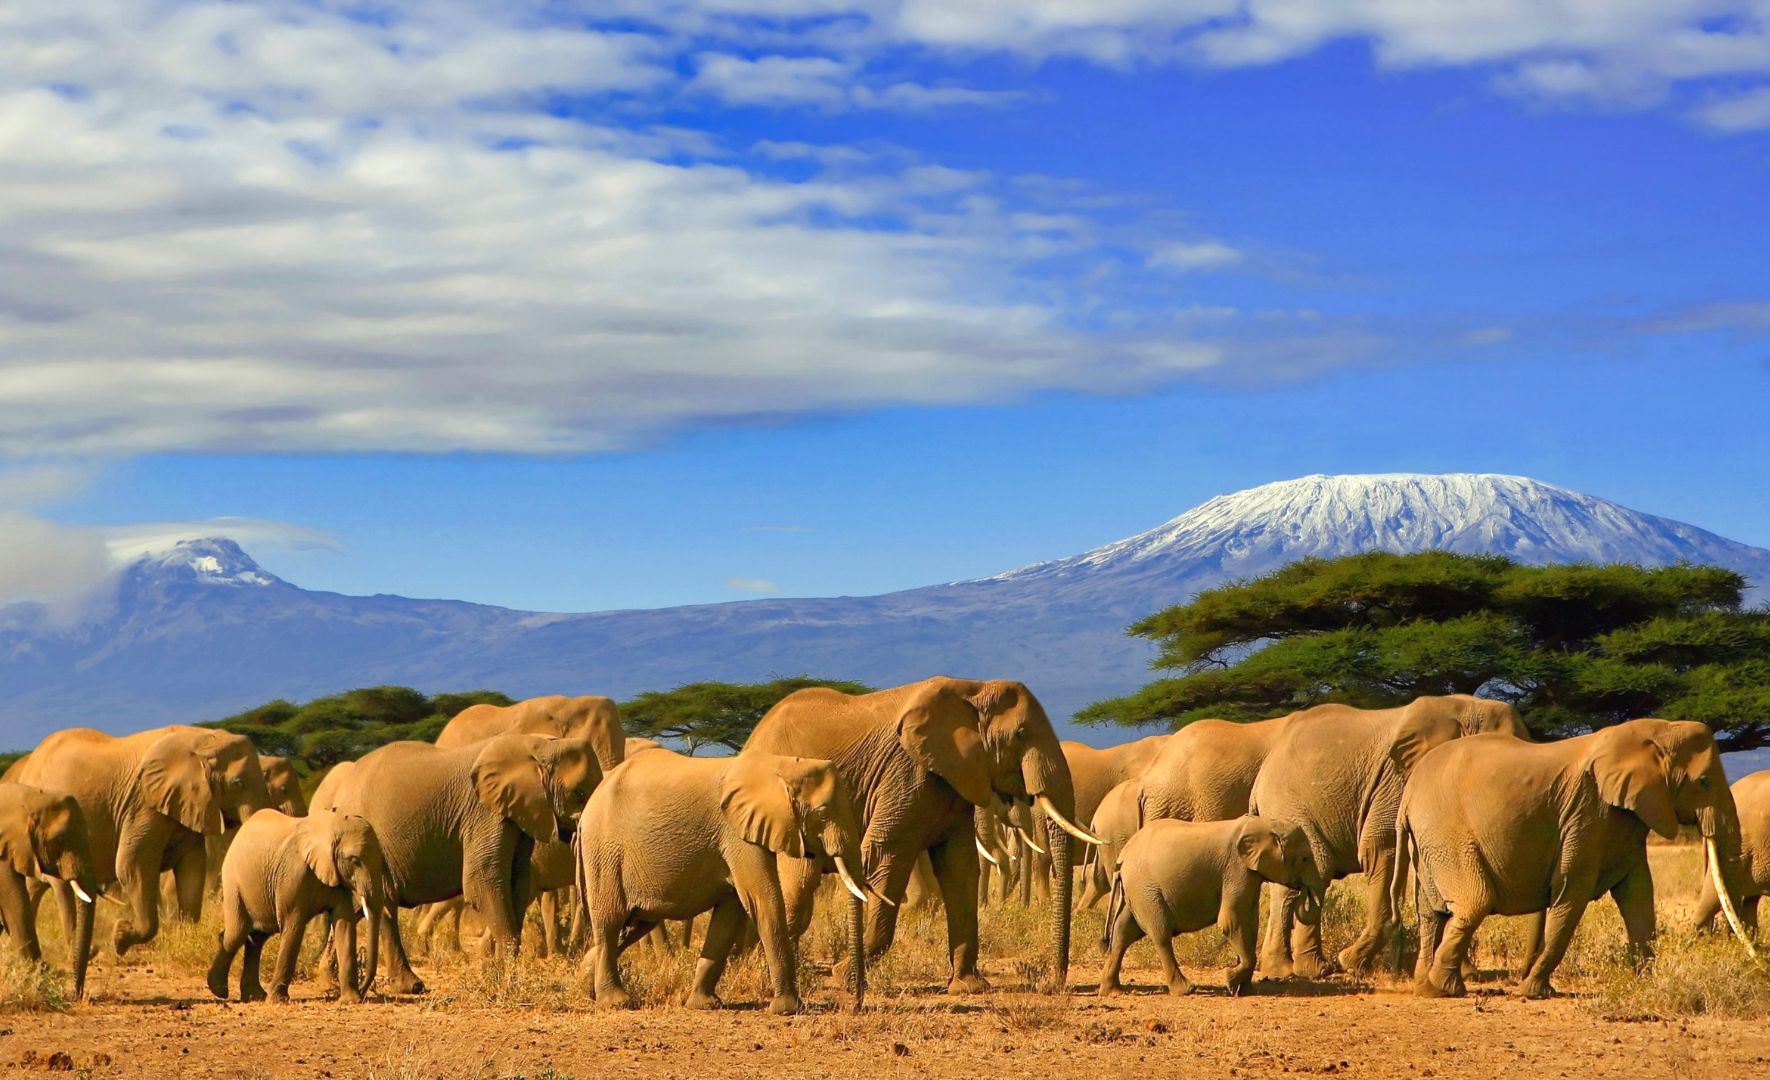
1698, 1012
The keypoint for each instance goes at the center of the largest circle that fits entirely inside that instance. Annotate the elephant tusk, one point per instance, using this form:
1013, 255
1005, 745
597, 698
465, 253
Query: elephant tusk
1726, 899
981, 850
1029, 841
81, 893
366, 907
1044, 803
848, 880
883, 899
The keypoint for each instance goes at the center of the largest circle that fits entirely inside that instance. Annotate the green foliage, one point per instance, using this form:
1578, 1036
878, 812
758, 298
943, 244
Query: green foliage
715, 713
343, 727
1575, 647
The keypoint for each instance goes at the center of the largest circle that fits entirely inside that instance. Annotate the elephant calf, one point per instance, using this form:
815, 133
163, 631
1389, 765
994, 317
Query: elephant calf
1178, 876
280, 872
668, 837
42, 834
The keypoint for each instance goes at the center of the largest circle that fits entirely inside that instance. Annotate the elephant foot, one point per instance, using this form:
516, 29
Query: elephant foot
405, 982
1314, 967
1536, 988
615, 997
279, 995
1276, 967
1237, 980
969, 983
1109, 986
350, 996
1442, 982
1355, 958
1180, 987
218, 979
784, 1004
122, 937
252, 993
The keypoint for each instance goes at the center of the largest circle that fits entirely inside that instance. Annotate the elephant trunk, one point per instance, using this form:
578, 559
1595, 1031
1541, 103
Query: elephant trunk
857, 949
82, 944
1060, 913
372, 898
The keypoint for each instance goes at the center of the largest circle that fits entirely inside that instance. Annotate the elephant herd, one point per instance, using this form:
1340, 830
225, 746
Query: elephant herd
547, 800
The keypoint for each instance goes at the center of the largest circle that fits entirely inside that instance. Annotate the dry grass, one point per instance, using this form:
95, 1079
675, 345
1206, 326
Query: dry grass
1692, 975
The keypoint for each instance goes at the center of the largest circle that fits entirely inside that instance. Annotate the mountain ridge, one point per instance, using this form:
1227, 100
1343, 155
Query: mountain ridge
198, 629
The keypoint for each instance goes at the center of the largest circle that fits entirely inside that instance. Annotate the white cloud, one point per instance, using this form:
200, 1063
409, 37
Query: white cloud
127, 542
1749, 111
1484, 336
1204, 254
752, 585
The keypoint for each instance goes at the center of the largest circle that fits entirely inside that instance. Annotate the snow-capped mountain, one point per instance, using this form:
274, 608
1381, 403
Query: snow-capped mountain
196, 629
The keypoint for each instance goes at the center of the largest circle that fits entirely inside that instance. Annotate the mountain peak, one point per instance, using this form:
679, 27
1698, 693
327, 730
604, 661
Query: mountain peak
210, 560
1260, 528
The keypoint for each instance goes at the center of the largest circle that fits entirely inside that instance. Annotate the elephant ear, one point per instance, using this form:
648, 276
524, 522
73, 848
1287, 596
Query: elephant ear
174, 782
1254, 840
317, 839
1421, 730
758, 801
510, 783
17, 825
940, 731
1631, 775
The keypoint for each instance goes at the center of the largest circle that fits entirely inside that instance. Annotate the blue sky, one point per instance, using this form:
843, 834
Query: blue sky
581, 305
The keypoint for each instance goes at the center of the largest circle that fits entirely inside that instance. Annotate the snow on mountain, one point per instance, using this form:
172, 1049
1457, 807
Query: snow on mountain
195, 629
1327, 516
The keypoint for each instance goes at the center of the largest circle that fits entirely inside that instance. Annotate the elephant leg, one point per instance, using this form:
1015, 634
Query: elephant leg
187, 876
548, 943
1275, 955
1634, 901
1431, 933
1241, 930
799, 879
142, 922
344, 948
1445, 976
1121, 935
955, 870
403, 979
723, 927
890, 877
233, 936
250, 988
759, 892
15, 909
1533, 943
1307, 958
1562, 920
294, 925
1379, 914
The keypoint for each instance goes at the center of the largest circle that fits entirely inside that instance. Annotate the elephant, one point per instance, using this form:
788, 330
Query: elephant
464, 821
1094, 772
594, 719
1497, 826
284, 785
280, 872
920, 759
149, 800
42, 833
998, 849
1180, 876
1338, 772
1114, 821
1751, 798
668, 836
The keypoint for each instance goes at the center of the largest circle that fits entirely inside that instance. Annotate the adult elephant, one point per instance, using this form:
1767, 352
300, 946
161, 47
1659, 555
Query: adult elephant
1095, 772
1751, 800
594, 719
920, 759
149, 800
1501, 827
464, 821
1338, 773
43, 833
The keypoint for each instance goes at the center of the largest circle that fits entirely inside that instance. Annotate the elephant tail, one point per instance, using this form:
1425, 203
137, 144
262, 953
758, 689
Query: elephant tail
1404, 852
1113, 907
578, 877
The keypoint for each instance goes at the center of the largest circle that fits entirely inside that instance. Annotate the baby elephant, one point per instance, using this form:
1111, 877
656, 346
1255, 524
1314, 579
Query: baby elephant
1179, 876
282, 871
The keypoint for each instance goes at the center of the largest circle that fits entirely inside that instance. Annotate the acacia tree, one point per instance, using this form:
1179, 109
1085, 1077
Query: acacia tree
1575, 647
715, 713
